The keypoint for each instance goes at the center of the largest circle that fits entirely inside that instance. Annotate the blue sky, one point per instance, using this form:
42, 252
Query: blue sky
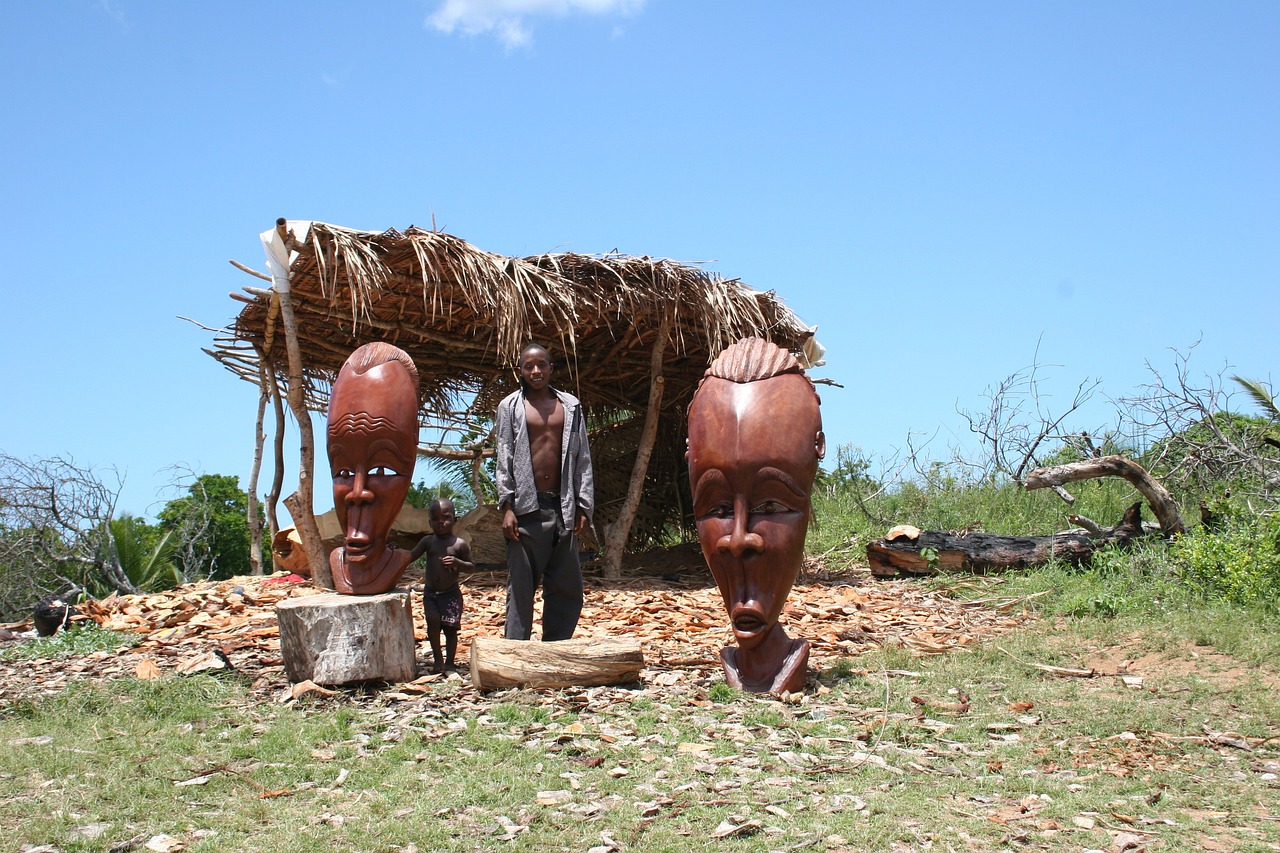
949, 191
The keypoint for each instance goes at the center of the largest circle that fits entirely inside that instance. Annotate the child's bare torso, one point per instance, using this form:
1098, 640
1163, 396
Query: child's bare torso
437, 576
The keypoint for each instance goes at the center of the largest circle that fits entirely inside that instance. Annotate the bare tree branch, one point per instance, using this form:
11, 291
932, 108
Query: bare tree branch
1190, 438
1162, 503
1013, 429
54, 533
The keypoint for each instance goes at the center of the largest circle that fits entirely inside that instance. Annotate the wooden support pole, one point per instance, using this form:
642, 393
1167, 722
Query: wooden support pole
277, 451
259, 439
304, 519
616, 538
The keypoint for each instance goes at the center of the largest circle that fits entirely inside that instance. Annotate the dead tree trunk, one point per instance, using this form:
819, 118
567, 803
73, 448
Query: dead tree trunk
923, 552
1162, 503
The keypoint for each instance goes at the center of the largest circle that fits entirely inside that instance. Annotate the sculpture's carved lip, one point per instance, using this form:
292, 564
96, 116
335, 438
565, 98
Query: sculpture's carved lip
748, 621
358, 548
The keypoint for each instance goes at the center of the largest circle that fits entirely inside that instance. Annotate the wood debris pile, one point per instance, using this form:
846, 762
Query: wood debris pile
231, 625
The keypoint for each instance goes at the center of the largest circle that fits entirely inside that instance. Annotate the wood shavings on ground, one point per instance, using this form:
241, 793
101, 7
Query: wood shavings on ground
676, 614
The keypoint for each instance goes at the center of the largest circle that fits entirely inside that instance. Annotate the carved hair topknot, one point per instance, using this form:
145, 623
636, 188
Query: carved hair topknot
753, 359
378, 353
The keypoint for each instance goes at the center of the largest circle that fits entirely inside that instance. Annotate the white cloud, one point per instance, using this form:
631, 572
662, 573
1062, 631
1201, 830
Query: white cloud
114, 12
506, 19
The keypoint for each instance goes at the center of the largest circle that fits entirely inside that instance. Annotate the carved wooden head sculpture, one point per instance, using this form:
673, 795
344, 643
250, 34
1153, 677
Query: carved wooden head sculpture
755, 438
373, 443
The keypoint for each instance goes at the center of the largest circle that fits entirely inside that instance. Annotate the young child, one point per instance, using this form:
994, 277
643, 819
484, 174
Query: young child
447, 555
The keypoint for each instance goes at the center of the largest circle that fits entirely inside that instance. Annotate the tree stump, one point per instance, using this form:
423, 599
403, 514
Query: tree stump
585, 662
339, 639
48, 616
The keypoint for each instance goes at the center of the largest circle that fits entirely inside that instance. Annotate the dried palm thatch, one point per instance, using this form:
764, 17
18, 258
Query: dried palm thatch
463, 314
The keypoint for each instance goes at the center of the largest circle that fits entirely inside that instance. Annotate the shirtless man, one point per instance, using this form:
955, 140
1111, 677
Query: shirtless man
546, 495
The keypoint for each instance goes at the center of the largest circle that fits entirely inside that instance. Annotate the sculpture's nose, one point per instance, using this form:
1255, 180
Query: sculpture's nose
359, 493
740, 541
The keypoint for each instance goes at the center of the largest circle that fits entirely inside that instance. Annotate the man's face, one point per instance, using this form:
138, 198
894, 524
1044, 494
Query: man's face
373, 438
535, 368
442, 519
752, 460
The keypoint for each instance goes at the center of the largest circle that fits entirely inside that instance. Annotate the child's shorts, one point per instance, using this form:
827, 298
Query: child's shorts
446, 605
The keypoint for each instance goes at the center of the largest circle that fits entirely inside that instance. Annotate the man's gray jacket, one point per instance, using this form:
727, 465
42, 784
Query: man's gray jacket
515, 463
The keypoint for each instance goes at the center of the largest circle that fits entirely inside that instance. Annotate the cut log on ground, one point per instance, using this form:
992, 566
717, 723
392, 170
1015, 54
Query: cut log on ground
930, 551
1162, 503
586, 662
341, 639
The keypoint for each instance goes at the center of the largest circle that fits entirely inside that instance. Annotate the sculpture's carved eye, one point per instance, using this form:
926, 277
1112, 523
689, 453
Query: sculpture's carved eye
383, 471
721, 510
769, 507
343, 474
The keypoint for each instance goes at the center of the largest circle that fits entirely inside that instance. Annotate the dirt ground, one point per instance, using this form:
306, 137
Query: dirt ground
1182, 660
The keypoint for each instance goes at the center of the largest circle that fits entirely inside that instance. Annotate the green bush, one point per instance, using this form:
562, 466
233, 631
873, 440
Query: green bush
1236, 561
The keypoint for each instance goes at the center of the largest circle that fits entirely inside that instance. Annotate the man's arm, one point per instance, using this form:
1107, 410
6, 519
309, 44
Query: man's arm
504, 452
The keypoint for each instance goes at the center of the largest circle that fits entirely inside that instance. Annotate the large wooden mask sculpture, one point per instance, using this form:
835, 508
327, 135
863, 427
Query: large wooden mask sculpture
373, 444
755, 438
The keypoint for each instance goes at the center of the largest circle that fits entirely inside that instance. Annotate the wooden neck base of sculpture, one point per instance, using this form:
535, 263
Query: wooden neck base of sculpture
354, 579
784, 667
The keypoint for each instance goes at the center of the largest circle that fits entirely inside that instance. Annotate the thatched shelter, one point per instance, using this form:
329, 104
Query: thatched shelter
631, 337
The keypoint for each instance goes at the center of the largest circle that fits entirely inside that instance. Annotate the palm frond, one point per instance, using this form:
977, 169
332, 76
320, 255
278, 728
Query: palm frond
1261, 395
149, 566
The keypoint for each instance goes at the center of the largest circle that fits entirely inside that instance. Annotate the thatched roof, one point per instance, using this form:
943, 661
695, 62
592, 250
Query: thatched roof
463, 314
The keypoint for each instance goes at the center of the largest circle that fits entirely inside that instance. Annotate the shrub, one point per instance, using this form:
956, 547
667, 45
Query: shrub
1236, 561
722, 692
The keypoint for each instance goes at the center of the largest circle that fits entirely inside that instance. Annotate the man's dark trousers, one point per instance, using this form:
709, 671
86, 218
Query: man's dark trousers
548, 557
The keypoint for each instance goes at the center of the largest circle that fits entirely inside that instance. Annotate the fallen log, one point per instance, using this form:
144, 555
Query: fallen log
585, 662
925, 552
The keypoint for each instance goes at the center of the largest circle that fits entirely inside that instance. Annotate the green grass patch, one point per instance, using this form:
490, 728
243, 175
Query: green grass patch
975, 749
71, 642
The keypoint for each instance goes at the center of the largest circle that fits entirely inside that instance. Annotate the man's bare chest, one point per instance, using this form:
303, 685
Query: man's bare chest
544, 418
